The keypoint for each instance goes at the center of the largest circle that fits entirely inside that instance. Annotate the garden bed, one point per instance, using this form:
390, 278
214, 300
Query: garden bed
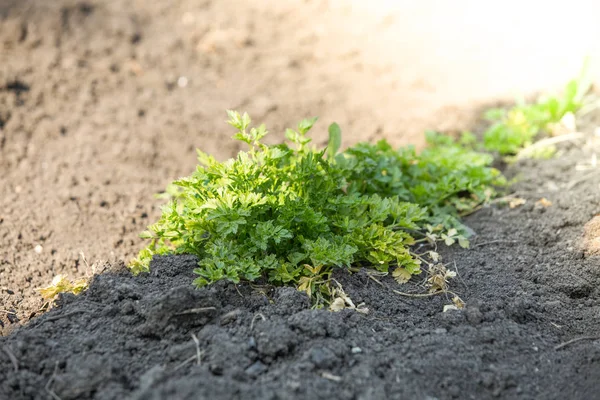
529, 328
102, 104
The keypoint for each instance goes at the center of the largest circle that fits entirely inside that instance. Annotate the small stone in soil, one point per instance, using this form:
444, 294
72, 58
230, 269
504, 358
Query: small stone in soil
256, 369
322, 357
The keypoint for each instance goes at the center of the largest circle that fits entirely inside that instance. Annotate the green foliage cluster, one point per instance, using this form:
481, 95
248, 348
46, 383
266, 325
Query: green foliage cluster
290, 213
517, 127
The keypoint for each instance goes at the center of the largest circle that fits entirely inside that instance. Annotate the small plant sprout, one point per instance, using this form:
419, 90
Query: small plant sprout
435, 234
62, 284
517, 127
452, 236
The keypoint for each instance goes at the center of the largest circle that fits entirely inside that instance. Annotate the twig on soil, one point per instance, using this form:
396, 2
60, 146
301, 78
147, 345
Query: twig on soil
12, 357
49, 319
419, 294
8, 312
565, 344
197, 357
196, 310
493, 242
238, 290
458, 274
89, 268
331, 377
49, 383
186, 362
254, 319
549, 142
423, 260
410, 294
376, 281
198, 351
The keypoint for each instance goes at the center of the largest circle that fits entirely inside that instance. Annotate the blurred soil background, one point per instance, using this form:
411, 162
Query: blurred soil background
102, 103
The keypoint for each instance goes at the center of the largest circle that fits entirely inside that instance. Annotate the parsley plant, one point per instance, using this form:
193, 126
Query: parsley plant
290, 213
518, 126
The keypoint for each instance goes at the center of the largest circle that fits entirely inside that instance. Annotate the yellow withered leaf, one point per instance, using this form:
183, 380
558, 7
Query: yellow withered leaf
338, 304
305, 285
401, 275
544, 202
61, 284
516, 202
458, 302
449, 307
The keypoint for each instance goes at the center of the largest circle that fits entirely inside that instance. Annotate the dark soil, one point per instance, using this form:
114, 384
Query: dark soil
529, 330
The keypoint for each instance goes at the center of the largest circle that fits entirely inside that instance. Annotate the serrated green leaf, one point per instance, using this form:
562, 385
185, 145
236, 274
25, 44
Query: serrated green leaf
146, 235
306, 124
463, 242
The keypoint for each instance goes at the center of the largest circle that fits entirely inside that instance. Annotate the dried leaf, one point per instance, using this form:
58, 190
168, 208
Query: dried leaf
516, 202
341, 294
337, 304
543, 202
458, 305
437, 283
435, 256
458, 302
61, 284
449, 307
362, 308
401, 275
438, 278
305, 285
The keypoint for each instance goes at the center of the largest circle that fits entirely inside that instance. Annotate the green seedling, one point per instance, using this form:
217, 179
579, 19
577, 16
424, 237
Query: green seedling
62, 284
519, 126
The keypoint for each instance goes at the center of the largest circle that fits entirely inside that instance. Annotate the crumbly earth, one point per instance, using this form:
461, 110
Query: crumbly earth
102, 103
95, 117
529, 328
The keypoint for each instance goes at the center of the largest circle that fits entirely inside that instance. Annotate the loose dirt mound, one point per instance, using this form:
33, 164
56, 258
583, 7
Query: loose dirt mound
529, 284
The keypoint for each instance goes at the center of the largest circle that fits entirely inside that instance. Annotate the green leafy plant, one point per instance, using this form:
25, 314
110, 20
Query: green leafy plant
518, 126
290, 213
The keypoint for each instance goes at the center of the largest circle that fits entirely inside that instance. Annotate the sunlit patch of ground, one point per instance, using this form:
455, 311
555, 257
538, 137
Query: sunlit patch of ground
591, 236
